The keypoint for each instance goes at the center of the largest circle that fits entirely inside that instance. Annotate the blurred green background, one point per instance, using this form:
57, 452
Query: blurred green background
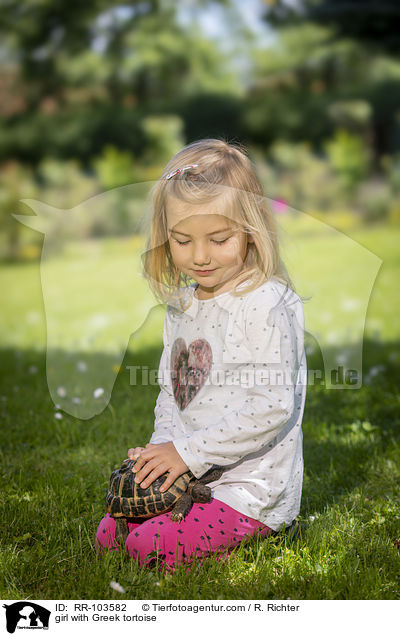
100, 96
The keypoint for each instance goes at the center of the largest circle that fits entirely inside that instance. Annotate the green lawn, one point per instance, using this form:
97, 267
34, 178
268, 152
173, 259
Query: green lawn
54, 472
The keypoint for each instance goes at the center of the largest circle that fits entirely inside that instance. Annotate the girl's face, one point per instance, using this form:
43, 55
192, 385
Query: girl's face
206, 245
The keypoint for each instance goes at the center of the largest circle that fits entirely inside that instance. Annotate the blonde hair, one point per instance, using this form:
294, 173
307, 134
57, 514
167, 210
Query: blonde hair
221, 167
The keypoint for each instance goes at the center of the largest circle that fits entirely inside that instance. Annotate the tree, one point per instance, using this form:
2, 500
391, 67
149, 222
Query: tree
90, 73
376, 24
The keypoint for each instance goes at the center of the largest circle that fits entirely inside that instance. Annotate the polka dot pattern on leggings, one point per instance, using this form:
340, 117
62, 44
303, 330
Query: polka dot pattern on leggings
199, 534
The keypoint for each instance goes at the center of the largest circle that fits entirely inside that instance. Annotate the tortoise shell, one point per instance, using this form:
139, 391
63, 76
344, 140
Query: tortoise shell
125, 498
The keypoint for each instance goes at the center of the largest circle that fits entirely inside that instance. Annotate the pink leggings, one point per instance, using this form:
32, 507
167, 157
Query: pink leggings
207, 528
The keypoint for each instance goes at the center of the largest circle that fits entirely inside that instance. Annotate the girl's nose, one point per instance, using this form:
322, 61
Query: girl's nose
200, 254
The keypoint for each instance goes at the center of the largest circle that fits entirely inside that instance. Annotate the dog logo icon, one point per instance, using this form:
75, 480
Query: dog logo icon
26, 615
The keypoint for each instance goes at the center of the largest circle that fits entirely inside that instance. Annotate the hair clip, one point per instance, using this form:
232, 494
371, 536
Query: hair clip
178, 170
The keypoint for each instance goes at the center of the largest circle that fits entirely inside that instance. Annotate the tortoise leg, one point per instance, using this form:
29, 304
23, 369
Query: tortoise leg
212, 475
122, 530
181, 507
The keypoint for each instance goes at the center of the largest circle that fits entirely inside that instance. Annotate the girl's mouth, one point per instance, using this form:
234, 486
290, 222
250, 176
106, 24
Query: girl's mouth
204, 272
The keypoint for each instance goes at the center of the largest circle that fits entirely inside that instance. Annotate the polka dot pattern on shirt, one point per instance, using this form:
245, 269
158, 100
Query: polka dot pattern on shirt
243, 421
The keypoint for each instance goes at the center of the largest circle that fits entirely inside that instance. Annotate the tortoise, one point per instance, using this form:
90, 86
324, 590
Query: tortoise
125, 498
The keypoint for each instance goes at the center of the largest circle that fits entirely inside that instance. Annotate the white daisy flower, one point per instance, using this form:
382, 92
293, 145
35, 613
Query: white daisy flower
62, 391
376, 370
58, 416
117, 587
98, 392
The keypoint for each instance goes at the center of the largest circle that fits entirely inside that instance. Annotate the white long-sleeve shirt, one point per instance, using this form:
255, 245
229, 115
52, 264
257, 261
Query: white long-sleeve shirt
232, 379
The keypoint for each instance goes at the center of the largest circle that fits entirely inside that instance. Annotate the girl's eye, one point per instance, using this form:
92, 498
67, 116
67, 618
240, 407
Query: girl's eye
220, 242
187, 242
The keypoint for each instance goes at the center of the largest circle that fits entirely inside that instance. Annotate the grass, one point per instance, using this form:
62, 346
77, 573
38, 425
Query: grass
54, 474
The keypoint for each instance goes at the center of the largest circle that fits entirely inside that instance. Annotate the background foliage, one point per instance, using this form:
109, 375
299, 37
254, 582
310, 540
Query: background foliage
97, 96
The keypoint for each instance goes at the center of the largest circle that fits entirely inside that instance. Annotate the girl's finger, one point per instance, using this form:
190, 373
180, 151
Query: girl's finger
169, 481
140, 462
160, 470
133, 453
137, 451
145, 456
147, 468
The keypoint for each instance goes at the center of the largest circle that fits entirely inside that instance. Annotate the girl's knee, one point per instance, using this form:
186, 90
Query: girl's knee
105, 535
159, 548
142, 546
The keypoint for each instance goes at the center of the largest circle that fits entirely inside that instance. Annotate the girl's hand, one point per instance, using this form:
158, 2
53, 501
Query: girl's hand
156, 460
133, 453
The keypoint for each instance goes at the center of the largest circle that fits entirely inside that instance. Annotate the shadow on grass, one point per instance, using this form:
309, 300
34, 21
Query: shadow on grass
344, 430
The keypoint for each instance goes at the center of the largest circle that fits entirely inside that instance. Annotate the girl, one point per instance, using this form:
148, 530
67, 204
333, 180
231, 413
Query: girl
230, 374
